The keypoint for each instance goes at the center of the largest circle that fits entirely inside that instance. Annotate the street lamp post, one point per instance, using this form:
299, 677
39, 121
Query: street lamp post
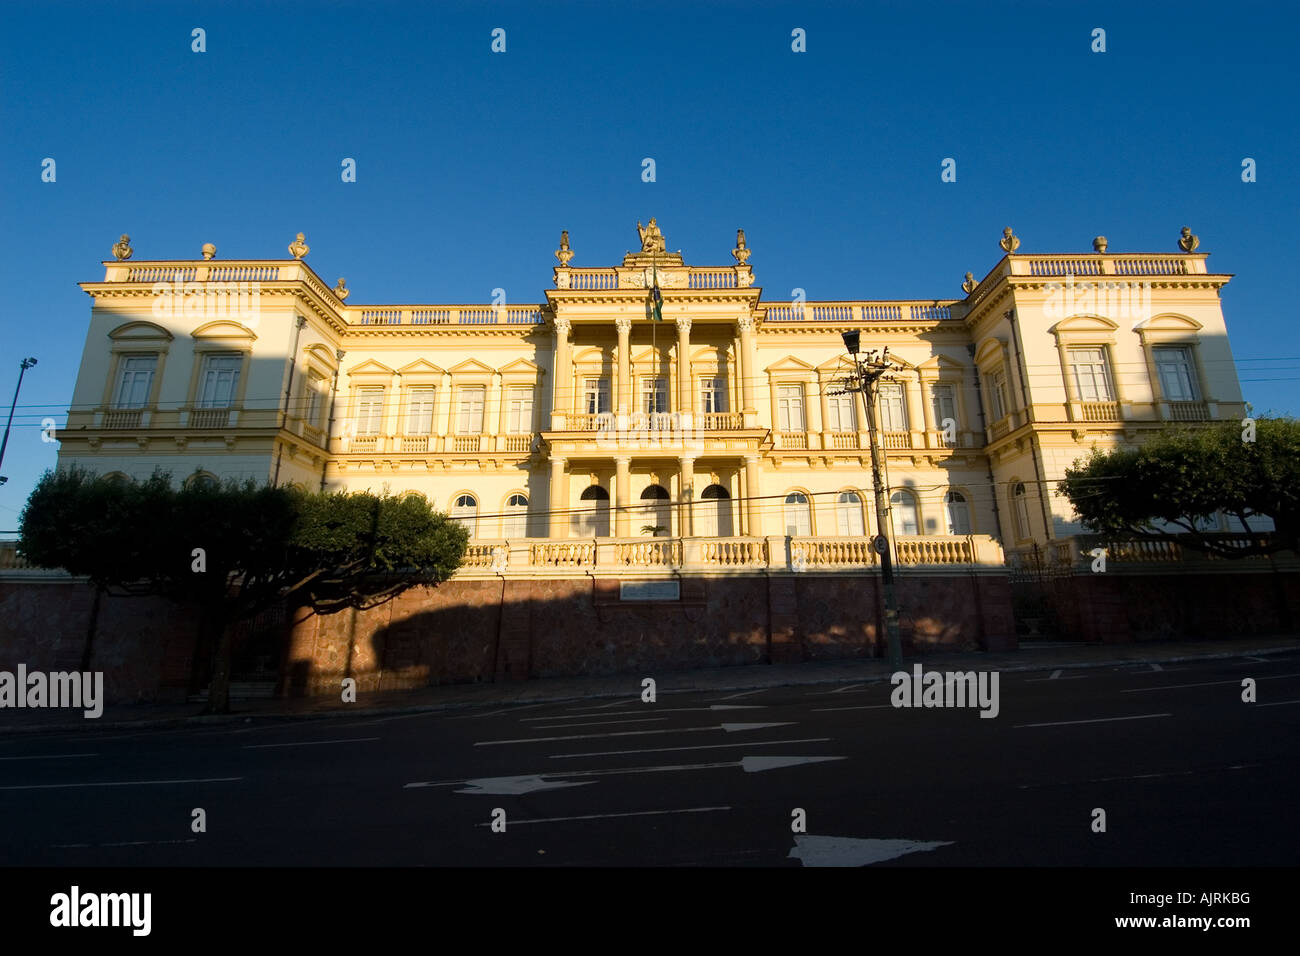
867, 369
26, 364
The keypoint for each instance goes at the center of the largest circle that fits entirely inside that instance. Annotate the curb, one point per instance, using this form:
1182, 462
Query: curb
738, 684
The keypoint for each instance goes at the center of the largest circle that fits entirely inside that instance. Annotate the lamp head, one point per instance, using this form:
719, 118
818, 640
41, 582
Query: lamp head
29, 362
852, 340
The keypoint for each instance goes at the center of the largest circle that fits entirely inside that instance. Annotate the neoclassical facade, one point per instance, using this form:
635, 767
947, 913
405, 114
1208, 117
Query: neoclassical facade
702, 426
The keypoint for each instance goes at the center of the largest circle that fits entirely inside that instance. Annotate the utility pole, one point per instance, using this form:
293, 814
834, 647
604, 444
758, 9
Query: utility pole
867, 369
26, 364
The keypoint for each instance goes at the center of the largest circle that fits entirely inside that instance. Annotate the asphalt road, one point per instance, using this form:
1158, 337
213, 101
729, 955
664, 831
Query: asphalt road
1186, 773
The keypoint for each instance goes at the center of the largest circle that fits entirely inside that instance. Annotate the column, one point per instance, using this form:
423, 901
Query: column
1074, 409
684, 404
492, 412
915, 417
686, 488
622, 494
927, 409
562, 401
753, 491
445, 411
623, 383
559, 499
747, 369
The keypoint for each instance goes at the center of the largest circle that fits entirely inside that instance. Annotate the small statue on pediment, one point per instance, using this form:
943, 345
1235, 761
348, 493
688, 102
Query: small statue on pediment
564, 253
968, 286
1188, 242
341, 290
298, 248
122, 248
741, 252
1009, 242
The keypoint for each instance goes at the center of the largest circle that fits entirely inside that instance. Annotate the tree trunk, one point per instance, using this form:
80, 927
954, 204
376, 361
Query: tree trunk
219, 686
90, 631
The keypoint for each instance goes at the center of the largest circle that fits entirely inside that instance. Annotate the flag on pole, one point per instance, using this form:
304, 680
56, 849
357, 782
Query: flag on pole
656, 297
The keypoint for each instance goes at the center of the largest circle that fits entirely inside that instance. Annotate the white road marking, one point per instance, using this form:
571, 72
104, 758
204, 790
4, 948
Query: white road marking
846, 689
812, 850
49, 757
1278, 703
615, 703
550, 780
1098, 720
1208, 683
743, 693
860, 707
121, 783
729, 728
503, 710
312, 743
669, 710
599, 723
660, 750
1056, 675
1138, 776
607, 816
1154, 666
71, 846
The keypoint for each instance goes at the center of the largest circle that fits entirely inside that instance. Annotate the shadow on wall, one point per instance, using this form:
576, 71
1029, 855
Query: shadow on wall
468, 631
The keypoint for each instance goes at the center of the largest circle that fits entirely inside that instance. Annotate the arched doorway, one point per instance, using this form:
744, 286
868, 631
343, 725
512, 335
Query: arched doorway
713, 514
656, 512
591, 518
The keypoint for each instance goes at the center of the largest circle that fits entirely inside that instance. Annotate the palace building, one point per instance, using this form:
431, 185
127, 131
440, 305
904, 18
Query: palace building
659, 465
669, 410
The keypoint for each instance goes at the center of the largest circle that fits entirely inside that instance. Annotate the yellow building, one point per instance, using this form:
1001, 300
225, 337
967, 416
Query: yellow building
580, 431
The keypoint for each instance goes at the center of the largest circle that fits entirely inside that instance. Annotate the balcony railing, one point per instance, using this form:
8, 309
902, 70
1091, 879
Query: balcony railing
1189, 411
792, 440
1101, 411
123, 418
721, 421
619, 556
466, 442
519, 443
853, 312
448, 315
209, 418
415, 443
895, 440
843, 439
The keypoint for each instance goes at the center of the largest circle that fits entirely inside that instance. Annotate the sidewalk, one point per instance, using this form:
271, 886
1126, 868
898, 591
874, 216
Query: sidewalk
1030, 657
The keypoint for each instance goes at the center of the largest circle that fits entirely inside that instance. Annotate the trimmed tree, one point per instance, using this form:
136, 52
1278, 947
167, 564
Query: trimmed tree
236, 549
1185, 475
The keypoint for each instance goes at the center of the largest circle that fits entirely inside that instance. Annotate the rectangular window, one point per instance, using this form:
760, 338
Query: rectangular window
893, 410
469, 420
135, 381
654, 395
998, 395
370, 409
842, 414
519, 411
789, 401
315, 396
595, 395
713, 395
220, 379
943, 401
419, 411
1174, 366
1091, 377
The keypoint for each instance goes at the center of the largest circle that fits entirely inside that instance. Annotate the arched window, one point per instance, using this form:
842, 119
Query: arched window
958, 513
203, 481
591, 518
713, 513
656, 511
514, 520
798, 514
464, 511
902, 505
848, 515
115, 478
1020, 510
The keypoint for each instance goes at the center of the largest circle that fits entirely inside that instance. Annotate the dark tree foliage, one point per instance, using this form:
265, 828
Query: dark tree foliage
237, 548
1188, 474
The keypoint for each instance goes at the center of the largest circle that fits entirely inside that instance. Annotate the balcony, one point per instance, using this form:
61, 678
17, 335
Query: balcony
451, 315
416, 443
209, 418
896, 440
1100, 411
721, 421
124, 418
1189, 411
519, 443
792, 440
466, 442
618, 556
842, 440
935, 310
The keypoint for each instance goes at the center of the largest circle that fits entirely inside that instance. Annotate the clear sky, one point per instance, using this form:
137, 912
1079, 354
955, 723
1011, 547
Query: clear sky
469, 162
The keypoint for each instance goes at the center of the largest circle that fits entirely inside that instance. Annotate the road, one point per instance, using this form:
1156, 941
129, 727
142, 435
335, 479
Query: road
1186, 773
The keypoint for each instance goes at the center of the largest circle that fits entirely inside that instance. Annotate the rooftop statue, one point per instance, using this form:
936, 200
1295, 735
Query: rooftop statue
564, 253
1009, 242
298, 248
741, 252
652, 240
1188, 242
122, 248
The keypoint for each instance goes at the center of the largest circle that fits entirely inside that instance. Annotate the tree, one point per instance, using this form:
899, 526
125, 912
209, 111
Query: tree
1188, 474
236, 549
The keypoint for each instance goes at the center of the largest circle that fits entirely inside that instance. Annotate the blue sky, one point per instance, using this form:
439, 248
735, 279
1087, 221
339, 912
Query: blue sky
470, 163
